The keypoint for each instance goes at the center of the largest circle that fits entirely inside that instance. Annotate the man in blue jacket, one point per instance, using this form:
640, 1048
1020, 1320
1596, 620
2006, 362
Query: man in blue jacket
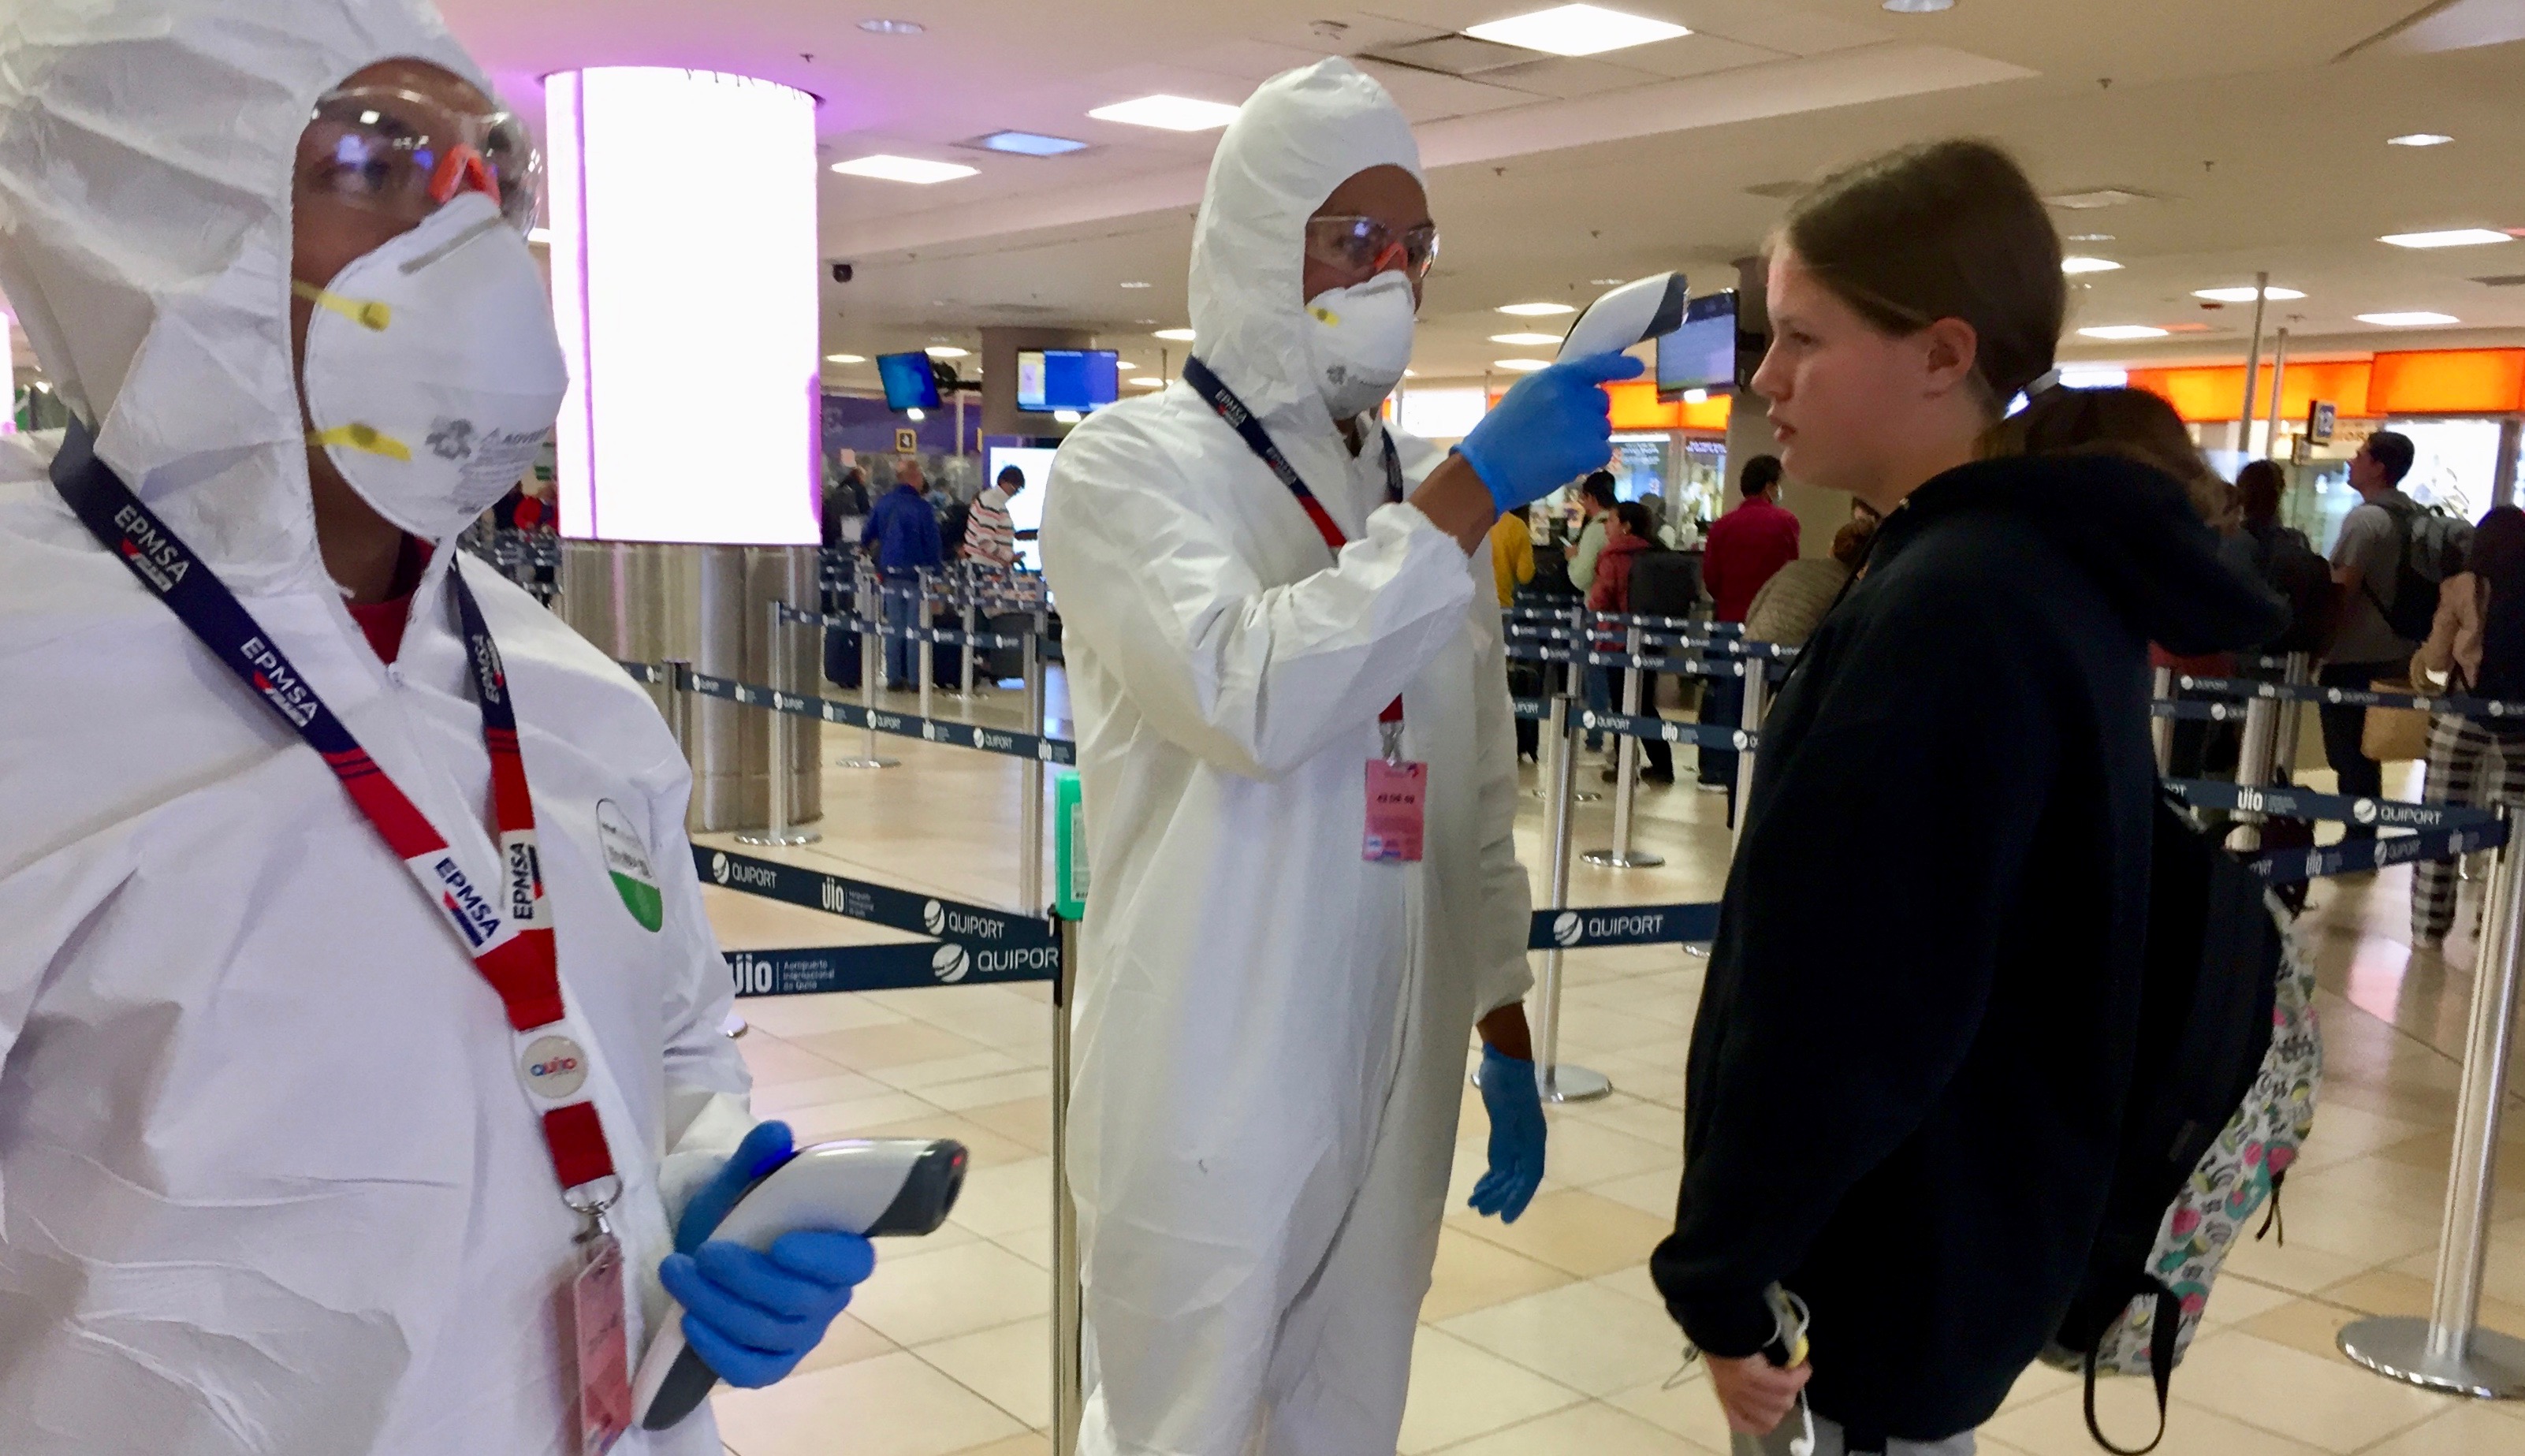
903, 539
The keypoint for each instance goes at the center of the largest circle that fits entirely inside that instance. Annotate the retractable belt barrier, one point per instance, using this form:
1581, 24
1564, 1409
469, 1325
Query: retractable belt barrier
2439, 830
969, 944
2457, 704
945, 636
1001, 742
1585, 926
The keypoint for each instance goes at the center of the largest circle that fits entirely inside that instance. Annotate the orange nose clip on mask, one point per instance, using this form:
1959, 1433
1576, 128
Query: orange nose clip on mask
462, 170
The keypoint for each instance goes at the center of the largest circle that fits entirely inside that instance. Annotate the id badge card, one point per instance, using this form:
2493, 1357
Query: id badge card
1396, 799
602, 1387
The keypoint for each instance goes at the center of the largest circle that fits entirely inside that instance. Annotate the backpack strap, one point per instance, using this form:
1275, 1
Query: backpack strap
2163, 1331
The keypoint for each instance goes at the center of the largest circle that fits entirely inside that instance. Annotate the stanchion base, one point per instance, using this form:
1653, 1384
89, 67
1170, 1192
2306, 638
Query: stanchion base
1585, 797
734, 1027
1637, 859
868, 763
2398, 1347
1698, 952
794, 836
1570, 1083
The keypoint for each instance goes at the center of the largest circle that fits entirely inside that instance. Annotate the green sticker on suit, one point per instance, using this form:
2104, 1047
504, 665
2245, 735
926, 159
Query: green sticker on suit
627, 858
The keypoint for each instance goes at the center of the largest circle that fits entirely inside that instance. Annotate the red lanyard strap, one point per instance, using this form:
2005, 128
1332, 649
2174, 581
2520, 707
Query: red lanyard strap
1214, 392
507, 932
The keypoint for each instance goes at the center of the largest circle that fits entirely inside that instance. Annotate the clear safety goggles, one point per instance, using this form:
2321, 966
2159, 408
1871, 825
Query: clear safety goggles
1367, 247
387, 150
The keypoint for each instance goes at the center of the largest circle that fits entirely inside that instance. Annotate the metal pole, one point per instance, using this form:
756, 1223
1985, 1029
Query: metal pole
2298, 671
1580, 650
776, 751
1068, 1395
2253, 768
864, 605
1560, 1082
1626, 776
2279, 381
1030, 775
928, 655
964, 679
679, 704
2449, 1350
2160, 731
1757, 703
2253, 367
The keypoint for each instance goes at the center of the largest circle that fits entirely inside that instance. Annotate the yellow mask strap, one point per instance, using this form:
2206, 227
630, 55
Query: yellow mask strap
362, 437
367, 313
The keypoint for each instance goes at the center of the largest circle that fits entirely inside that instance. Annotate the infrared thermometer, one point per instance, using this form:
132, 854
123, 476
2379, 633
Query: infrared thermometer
896, 1186
1633, 314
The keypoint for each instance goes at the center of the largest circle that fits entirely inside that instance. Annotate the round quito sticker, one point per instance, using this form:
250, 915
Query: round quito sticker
555, 1067
627, 858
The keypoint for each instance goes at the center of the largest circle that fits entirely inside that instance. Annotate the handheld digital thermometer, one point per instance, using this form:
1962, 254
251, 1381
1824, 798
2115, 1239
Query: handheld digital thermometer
1632, 313
899, 1186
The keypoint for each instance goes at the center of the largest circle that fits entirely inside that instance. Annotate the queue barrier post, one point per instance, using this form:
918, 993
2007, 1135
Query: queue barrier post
928, 663
871, 614
1561, 1081
776, 753
679, 704
2449, 1350
1068, 1393
1581, 643
1757, 703
2160, 731
1626, 776
972, 593
2253, 763
1030, 774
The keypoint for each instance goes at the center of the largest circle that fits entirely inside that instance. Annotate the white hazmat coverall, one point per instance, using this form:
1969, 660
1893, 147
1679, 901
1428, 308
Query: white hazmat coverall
1272, 1032
267, 1181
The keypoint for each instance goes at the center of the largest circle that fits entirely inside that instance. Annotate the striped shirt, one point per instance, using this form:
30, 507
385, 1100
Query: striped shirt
988, 536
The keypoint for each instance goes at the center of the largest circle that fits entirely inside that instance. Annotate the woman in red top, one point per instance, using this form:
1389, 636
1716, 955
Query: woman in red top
1628, 531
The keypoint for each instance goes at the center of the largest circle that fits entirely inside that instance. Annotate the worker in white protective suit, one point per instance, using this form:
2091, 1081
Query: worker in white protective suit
297, 1156
1299, 784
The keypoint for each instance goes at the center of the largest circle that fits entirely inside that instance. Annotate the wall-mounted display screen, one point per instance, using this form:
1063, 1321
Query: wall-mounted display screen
1067, 379
1701, 354
909, 383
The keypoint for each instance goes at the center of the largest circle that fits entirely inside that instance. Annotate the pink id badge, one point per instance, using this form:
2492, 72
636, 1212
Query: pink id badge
1397, 794
597, 1335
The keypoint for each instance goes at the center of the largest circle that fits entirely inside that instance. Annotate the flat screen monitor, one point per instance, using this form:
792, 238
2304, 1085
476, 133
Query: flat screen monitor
1067, 379
1025, 512
1701, 354
909, 383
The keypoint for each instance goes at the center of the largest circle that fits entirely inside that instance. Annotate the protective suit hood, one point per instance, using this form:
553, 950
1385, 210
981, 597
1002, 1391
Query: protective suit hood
146, 154
1300, 134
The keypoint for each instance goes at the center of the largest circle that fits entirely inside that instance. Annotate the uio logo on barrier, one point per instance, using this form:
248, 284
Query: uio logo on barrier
719, 868
949, 963
1568, 928
2363, 811
556, 1068
933, 915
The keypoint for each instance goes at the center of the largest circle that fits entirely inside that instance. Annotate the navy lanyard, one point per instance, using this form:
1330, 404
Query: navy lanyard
507, 929
1220, 397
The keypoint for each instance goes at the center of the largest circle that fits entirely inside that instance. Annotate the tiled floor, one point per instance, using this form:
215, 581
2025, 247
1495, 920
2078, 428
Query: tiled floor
1543, 1339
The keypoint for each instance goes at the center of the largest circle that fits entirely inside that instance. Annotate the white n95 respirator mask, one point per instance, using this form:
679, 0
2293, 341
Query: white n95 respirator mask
1359, 339
434, 373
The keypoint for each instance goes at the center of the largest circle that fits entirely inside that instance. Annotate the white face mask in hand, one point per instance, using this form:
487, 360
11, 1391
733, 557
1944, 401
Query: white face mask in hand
433, 372
1359, 339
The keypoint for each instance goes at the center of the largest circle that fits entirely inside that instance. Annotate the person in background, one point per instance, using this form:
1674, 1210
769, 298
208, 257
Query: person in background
1629, 533
1745, 549
1512, 567
846, 509
2476, 646
1963, 755
2282, 559
988, 535
2366, 562
903, 540
1595, 498
1793, 603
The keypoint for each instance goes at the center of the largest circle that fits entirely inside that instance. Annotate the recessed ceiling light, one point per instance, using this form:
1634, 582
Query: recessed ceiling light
1525, 341
846, 359
2089, 237
2451, 237
1148, 381
2244, 294
2079, 202
542, 235
1172, 113
1576, 30
915, 415
2074, 264
1520, 366
1124, 364
2121, 332
1536, 310
2418, 139
1411, 373
1065, 417
1182, 334
1135, 284
903, 168
1919, 6
1030, 144
1702, 397
1609, 283
893, 28
945, 351
2417, 320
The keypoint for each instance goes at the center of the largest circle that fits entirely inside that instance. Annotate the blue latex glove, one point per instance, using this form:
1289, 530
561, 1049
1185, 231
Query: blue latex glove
1515, 1105
1553, 427
754, 1315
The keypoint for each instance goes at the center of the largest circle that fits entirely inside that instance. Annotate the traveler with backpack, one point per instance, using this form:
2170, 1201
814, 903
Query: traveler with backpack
2282, 559
2476, 647
2380, 589
1961, 751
